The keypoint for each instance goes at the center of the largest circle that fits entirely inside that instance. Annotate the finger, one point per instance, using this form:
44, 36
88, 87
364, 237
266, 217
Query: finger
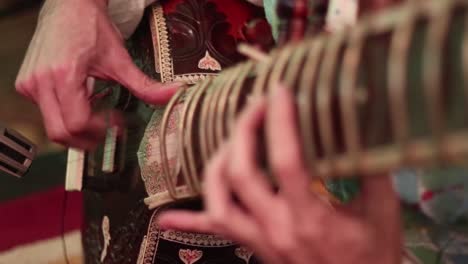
224, 214
76, 110
284, 152
220, 216
31, 57
382, 212
118, 65
24, 80
378, 198
216, 193
186, 221
245, 178
53, 120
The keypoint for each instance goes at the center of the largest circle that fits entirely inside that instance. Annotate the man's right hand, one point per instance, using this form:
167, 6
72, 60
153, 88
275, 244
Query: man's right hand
75, 40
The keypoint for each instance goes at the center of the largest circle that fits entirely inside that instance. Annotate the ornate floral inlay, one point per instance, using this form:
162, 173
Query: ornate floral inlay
244, 254
106, 235
151, 241
141, 254
190, 256
162, 50
149, 154
209, 63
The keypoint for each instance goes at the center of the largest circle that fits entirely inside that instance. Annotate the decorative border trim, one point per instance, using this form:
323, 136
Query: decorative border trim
192, 78
162, 51
142, 251
151, 241
195, 239
106, 235
209, 63
163, 197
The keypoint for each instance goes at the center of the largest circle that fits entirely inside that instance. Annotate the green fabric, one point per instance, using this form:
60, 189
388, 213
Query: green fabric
345, 190
271, 16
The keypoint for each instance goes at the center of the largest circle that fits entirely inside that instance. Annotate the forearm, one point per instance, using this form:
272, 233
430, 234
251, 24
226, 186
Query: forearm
50, 7
127, 14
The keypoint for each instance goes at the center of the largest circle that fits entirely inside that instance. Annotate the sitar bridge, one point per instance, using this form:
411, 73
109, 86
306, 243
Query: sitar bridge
98, 169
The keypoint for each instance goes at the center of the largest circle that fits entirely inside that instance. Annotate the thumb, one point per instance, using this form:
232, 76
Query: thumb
124, 71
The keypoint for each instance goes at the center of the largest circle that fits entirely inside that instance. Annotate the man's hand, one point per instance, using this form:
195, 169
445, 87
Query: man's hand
292, 225
75, 40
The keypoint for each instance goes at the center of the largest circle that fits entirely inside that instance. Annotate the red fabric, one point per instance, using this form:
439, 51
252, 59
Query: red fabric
430, 194
238, 12
38, 216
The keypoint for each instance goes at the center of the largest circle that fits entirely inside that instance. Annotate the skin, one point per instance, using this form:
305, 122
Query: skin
75, 41
292, 225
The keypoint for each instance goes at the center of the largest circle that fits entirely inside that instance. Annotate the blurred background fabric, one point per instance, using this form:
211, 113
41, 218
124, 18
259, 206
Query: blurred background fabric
38, 223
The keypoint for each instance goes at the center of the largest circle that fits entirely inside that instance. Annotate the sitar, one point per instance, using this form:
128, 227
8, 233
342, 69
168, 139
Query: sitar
358, 114
387, 93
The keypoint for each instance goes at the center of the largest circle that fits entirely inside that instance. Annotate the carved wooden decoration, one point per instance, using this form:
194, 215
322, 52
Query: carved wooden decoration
195, 40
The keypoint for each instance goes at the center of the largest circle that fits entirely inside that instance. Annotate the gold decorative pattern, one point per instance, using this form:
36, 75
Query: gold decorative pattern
150, 247
154, 38
163, 62
106, 235
244, 254
192, 78
162, 50
195, 239
209, 63
164, 197
142, 251
189, 256
150, 156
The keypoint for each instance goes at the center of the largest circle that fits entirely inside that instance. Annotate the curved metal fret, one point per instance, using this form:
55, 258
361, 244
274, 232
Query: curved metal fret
324, 105
349, 100
432, 76
181, 137
397, 83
